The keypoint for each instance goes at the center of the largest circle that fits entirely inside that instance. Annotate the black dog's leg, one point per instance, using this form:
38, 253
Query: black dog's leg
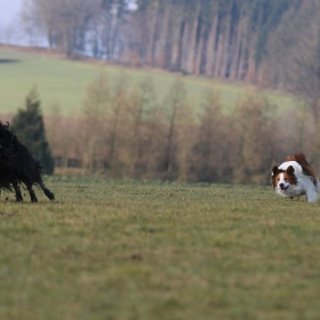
33, 196
17, 192
46, 191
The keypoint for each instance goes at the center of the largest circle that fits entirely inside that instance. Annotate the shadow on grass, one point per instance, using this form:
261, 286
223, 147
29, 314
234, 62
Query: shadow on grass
3, 61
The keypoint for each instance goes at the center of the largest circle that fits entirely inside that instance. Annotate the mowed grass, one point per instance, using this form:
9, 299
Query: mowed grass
107, 250
65, 82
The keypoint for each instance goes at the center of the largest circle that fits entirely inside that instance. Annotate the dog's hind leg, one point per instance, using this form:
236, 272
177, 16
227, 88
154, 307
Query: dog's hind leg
46, 191
312, 196
33, 196
17, 191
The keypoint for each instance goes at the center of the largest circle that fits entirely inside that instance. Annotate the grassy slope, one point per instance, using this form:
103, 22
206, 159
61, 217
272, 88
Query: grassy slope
125, 251
65, 82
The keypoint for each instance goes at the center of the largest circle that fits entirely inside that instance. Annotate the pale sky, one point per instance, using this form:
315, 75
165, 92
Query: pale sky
9, 10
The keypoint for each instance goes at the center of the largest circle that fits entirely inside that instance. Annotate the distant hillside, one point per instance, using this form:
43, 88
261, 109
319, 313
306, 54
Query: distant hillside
64, 83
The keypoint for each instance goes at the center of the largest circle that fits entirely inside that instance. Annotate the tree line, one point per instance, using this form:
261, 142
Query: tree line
123, 132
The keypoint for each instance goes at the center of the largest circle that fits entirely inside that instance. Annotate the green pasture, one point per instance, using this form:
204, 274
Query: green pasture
64, 82
106, 250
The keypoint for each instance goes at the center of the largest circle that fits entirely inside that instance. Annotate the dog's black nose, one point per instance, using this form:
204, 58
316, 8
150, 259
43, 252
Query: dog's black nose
281, 185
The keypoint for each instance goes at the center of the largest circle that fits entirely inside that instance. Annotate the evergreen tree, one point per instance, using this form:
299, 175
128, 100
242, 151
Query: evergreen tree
29, 126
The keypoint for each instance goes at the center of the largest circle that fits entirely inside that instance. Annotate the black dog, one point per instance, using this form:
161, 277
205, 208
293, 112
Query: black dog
18, 166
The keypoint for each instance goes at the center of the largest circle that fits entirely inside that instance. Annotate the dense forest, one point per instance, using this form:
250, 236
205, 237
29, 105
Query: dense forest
214, 38
217, 38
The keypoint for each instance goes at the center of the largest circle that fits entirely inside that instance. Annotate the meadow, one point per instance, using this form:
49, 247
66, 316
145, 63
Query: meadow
125, 250
63, 82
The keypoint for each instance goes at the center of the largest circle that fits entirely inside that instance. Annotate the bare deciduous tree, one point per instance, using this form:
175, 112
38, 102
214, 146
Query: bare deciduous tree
95, 110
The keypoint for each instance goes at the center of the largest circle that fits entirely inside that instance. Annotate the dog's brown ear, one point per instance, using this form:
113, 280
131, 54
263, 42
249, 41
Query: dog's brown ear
290, 170
275, 171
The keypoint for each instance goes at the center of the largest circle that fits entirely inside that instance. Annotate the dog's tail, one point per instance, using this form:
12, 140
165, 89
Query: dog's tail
306, 166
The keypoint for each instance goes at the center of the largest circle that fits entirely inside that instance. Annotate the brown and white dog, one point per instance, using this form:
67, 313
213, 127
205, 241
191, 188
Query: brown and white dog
295, 177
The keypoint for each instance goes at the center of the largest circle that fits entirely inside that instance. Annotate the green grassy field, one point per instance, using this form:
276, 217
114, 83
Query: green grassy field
147, 251
64, 82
